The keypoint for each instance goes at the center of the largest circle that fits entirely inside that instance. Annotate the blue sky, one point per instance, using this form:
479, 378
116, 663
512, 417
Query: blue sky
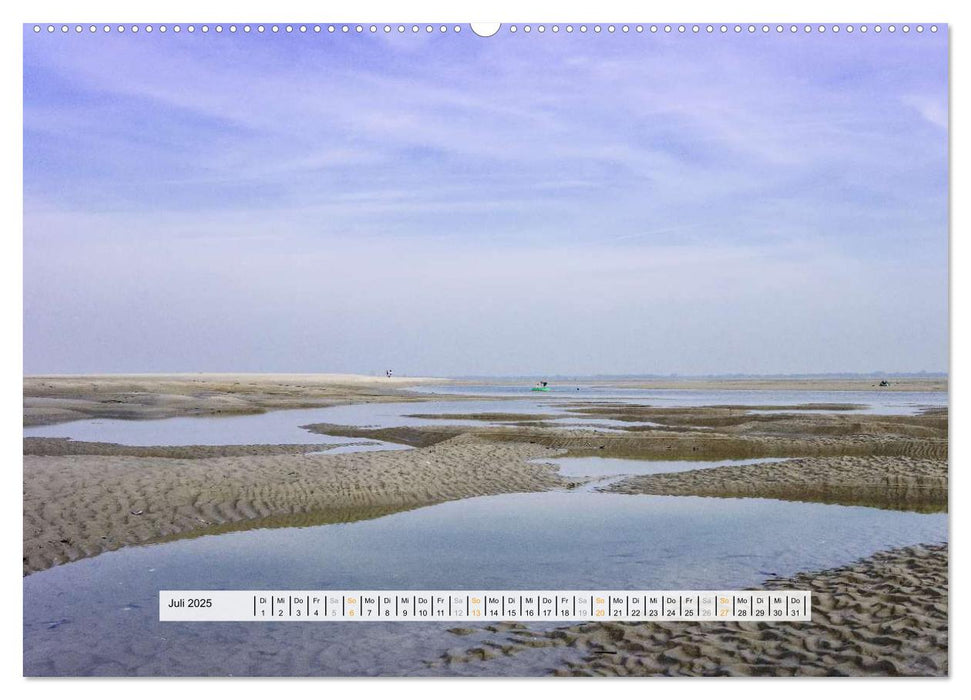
448, 204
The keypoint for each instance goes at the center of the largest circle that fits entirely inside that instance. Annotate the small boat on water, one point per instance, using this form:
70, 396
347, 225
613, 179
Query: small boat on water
541, 386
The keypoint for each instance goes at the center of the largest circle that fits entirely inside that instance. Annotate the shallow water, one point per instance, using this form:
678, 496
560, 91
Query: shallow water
100, 615
273, 427
377, 446
876, 401
604, 424
270, 428
609, 466
283, 427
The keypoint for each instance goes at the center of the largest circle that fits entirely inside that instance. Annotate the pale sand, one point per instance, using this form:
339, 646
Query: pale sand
901, 483
79, 496
60, 447
80, 505
886, 615
661, 443
57, 399
749, 383
798, 420
796, 384
703, 432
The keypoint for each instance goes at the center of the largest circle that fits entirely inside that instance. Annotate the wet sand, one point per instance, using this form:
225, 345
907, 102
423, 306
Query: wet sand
79, 497
58, 399
904, 383
80, 505
663, 442
899, 483
886, 615
699, 432
61, 447
795, 383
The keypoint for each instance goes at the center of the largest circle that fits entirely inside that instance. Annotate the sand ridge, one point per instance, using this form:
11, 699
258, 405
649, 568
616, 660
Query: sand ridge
61, 398
659, 443
753, 383
885, 615
900, 483
80, 505
60, 447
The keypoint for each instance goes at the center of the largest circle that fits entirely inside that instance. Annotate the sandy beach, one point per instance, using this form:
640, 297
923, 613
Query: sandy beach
80, 505
885, 615
812, 383
667, 442
799, 384
899, 483
600, 310
61, 398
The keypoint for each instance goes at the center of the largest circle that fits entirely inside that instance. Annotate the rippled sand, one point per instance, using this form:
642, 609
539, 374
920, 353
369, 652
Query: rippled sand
885, 615
900, 483
79, 505
56, 399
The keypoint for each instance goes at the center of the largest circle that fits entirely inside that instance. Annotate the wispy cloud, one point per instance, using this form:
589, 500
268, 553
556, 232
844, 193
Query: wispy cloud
609, 171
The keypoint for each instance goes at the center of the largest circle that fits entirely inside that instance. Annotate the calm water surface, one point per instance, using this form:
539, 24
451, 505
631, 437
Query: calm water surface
283, 427
100, 615
876, 401
609, 466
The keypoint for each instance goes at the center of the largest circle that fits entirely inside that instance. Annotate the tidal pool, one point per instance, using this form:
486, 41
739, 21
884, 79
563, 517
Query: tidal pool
875, 401
273, 427
284, 427
99, 616
609, 466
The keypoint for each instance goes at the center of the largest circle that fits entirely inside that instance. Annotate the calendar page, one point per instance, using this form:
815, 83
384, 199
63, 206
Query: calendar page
419, 348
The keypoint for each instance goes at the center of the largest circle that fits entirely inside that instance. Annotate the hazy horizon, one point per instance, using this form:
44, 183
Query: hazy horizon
448, 205
605, 377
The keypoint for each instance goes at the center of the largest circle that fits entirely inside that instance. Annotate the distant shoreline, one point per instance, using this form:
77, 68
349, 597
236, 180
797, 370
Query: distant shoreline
334, 378
741, 384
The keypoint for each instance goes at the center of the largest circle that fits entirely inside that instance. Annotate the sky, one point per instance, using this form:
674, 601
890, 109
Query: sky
447, 204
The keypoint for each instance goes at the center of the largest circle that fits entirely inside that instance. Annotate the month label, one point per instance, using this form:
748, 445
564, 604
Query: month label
470, 606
